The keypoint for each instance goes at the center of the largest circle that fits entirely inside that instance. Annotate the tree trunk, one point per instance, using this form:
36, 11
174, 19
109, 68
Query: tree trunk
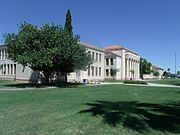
65, 77
47, 76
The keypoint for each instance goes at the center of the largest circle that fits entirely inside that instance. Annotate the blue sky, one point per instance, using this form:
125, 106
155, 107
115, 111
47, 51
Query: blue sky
148, 27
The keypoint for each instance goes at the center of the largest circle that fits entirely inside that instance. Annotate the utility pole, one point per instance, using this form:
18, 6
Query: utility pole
175, 63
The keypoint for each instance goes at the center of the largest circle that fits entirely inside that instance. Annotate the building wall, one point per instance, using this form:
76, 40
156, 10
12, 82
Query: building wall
132, 63
122, 60
112, 61
95, 72
12, 70
126, 62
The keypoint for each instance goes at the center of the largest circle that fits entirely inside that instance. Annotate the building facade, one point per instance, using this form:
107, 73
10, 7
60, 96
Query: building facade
123, 60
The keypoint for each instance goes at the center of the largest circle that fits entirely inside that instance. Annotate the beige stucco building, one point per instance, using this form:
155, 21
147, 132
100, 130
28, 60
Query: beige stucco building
95, 71
125, 61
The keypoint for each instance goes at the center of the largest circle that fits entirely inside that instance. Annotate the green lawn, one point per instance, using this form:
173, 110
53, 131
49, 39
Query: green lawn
5, 83
167, 81
93, 110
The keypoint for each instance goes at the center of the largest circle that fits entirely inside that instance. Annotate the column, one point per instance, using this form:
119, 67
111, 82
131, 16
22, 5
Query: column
123, 64
6, 69
128, 68
4, 54
138, 70
135, 70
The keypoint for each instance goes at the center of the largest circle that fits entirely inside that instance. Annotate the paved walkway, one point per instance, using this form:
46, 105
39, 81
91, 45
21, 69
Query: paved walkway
103, 83
24, 89
148, 85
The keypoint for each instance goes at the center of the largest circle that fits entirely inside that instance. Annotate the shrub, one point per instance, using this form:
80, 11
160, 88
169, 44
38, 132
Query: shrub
134, 82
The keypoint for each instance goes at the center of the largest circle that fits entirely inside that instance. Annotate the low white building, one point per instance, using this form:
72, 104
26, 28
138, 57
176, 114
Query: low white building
117, 57
151, 75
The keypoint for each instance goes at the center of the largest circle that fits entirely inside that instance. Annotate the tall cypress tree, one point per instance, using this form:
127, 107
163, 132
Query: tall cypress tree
68, 25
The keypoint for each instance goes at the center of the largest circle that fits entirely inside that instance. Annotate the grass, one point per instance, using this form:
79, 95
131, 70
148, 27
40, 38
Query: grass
94, 110
4, 83
171, 81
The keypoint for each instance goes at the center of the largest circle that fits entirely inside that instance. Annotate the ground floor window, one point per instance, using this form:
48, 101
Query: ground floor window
107, 72
99, 71
8, 69
96, 71
92, 71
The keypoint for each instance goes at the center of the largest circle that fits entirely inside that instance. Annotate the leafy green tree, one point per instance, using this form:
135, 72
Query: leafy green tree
113, 72
68, 25
156, 73
165, 74
48, 49
27, 48
178, 72
168, 70
145, 67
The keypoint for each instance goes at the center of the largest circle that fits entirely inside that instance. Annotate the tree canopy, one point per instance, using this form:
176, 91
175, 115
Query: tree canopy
68, 25
145, 67
113, 72
156, 73
48, 49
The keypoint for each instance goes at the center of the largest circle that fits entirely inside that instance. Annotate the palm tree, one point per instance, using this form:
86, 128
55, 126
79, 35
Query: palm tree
168, 72
178, 72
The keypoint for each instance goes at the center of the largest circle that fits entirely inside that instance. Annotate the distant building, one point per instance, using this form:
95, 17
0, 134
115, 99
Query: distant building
116, 57
154, 69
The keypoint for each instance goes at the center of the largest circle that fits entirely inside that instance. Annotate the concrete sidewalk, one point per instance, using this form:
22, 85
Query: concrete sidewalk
102, 83
24, 89
148, 85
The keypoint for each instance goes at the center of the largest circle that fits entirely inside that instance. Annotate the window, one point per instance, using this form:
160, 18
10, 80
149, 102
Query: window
107, 61
99, 71
107, 72
14, 68
96, 57
4, 69
111, 61
8, 69
93, 55
11, 69
89, 71
111, 72
96, 71
99, 57
92, 71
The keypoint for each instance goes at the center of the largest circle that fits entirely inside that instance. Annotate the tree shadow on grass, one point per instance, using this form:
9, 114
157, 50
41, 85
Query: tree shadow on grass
138, 116
30, 85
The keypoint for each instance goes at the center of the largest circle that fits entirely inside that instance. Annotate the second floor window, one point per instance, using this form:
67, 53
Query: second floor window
111, 61
99, 57
107, 61
93, 55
